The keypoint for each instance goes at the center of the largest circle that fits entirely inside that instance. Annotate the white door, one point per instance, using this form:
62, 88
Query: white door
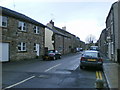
38, 49
4, 52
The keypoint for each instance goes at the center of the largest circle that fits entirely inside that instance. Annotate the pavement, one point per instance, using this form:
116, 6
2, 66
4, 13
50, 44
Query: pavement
112, 71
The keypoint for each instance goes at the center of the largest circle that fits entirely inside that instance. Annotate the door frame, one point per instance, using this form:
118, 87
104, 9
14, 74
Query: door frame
38, 49
8, 51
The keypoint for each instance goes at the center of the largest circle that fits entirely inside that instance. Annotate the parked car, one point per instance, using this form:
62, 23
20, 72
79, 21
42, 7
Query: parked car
94, 48
81, 49
91, 58
52, 55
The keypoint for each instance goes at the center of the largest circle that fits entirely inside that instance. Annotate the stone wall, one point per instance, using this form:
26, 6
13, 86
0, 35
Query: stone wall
13, 36
59, 43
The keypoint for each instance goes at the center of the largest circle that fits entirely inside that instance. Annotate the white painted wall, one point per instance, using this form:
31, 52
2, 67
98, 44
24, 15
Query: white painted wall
48, 37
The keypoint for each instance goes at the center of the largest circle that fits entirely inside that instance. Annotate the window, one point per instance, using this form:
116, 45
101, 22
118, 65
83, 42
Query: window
22, 46
3, 21
35, 47
36, 29
90, 54
22, 26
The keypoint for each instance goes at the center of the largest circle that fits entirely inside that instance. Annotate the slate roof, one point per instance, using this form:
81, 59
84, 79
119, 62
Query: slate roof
11, 13
57, 32
63, 30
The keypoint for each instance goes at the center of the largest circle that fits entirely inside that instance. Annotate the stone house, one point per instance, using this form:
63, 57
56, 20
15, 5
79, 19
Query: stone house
60, 39
66, 41
82, 45
54, 40
113, 31
118, 50
70, 42
22, 37
102, 42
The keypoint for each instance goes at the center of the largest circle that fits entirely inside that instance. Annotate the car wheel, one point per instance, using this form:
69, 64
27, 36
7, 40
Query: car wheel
54, 58
43, 58
81, 67
59, 57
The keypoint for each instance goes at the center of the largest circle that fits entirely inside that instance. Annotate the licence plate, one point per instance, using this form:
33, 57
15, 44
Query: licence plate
91, 59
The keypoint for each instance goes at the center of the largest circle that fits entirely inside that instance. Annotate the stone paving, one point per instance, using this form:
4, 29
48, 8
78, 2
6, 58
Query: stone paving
112, 71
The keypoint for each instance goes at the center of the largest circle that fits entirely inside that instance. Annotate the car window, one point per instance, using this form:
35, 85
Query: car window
93, 48
50, 51
91, 54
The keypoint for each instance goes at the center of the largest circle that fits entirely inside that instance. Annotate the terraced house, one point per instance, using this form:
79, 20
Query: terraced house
71, 42
111, 34
113, 29
54, 40
21, 36
65, 41
60, 39
57, 40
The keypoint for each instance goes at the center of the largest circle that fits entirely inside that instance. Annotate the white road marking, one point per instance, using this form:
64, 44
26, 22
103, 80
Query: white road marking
52, 67
20, 82
30, 77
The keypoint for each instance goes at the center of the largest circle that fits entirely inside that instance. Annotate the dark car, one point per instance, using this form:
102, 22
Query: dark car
91, 58
52, 55
81, 49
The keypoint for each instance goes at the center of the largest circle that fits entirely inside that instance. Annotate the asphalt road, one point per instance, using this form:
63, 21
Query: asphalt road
61, 73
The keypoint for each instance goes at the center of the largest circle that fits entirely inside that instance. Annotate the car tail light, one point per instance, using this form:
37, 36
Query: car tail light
100, 60
82, 59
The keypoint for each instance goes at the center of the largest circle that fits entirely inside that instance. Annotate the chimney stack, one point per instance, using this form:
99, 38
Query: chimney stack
51, 22
64, 28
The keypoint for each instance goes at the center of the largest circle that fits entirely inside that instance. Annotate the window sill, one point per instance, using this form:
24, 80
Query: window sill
22, 51
37, 33
3, 26
22, 31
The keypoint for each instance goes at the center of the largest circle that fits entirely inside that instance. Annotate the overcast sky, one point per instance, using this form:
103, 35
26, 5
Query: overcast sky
81, 17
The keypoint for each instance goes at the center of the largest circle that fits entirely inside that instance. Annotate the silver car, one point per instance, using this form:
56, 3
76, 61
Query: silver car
91, 58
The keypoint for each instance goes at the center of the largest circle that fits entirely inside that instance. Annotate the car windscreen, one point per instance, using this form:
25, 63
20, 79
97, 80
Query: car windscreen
93, 48
51, 51
91, 54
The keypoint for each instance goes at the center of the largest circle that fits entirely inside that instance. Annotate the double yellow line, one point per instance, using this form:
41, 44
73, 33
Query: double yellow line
99, 75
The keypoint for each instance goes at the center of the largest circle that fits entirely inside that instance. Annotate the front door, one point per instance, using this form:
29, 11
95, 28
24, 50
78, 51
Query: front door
38, 49
4, 52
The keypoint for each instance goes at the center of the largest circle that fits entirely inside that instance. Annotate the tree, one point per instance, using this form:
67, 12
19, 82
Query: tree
90, 38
